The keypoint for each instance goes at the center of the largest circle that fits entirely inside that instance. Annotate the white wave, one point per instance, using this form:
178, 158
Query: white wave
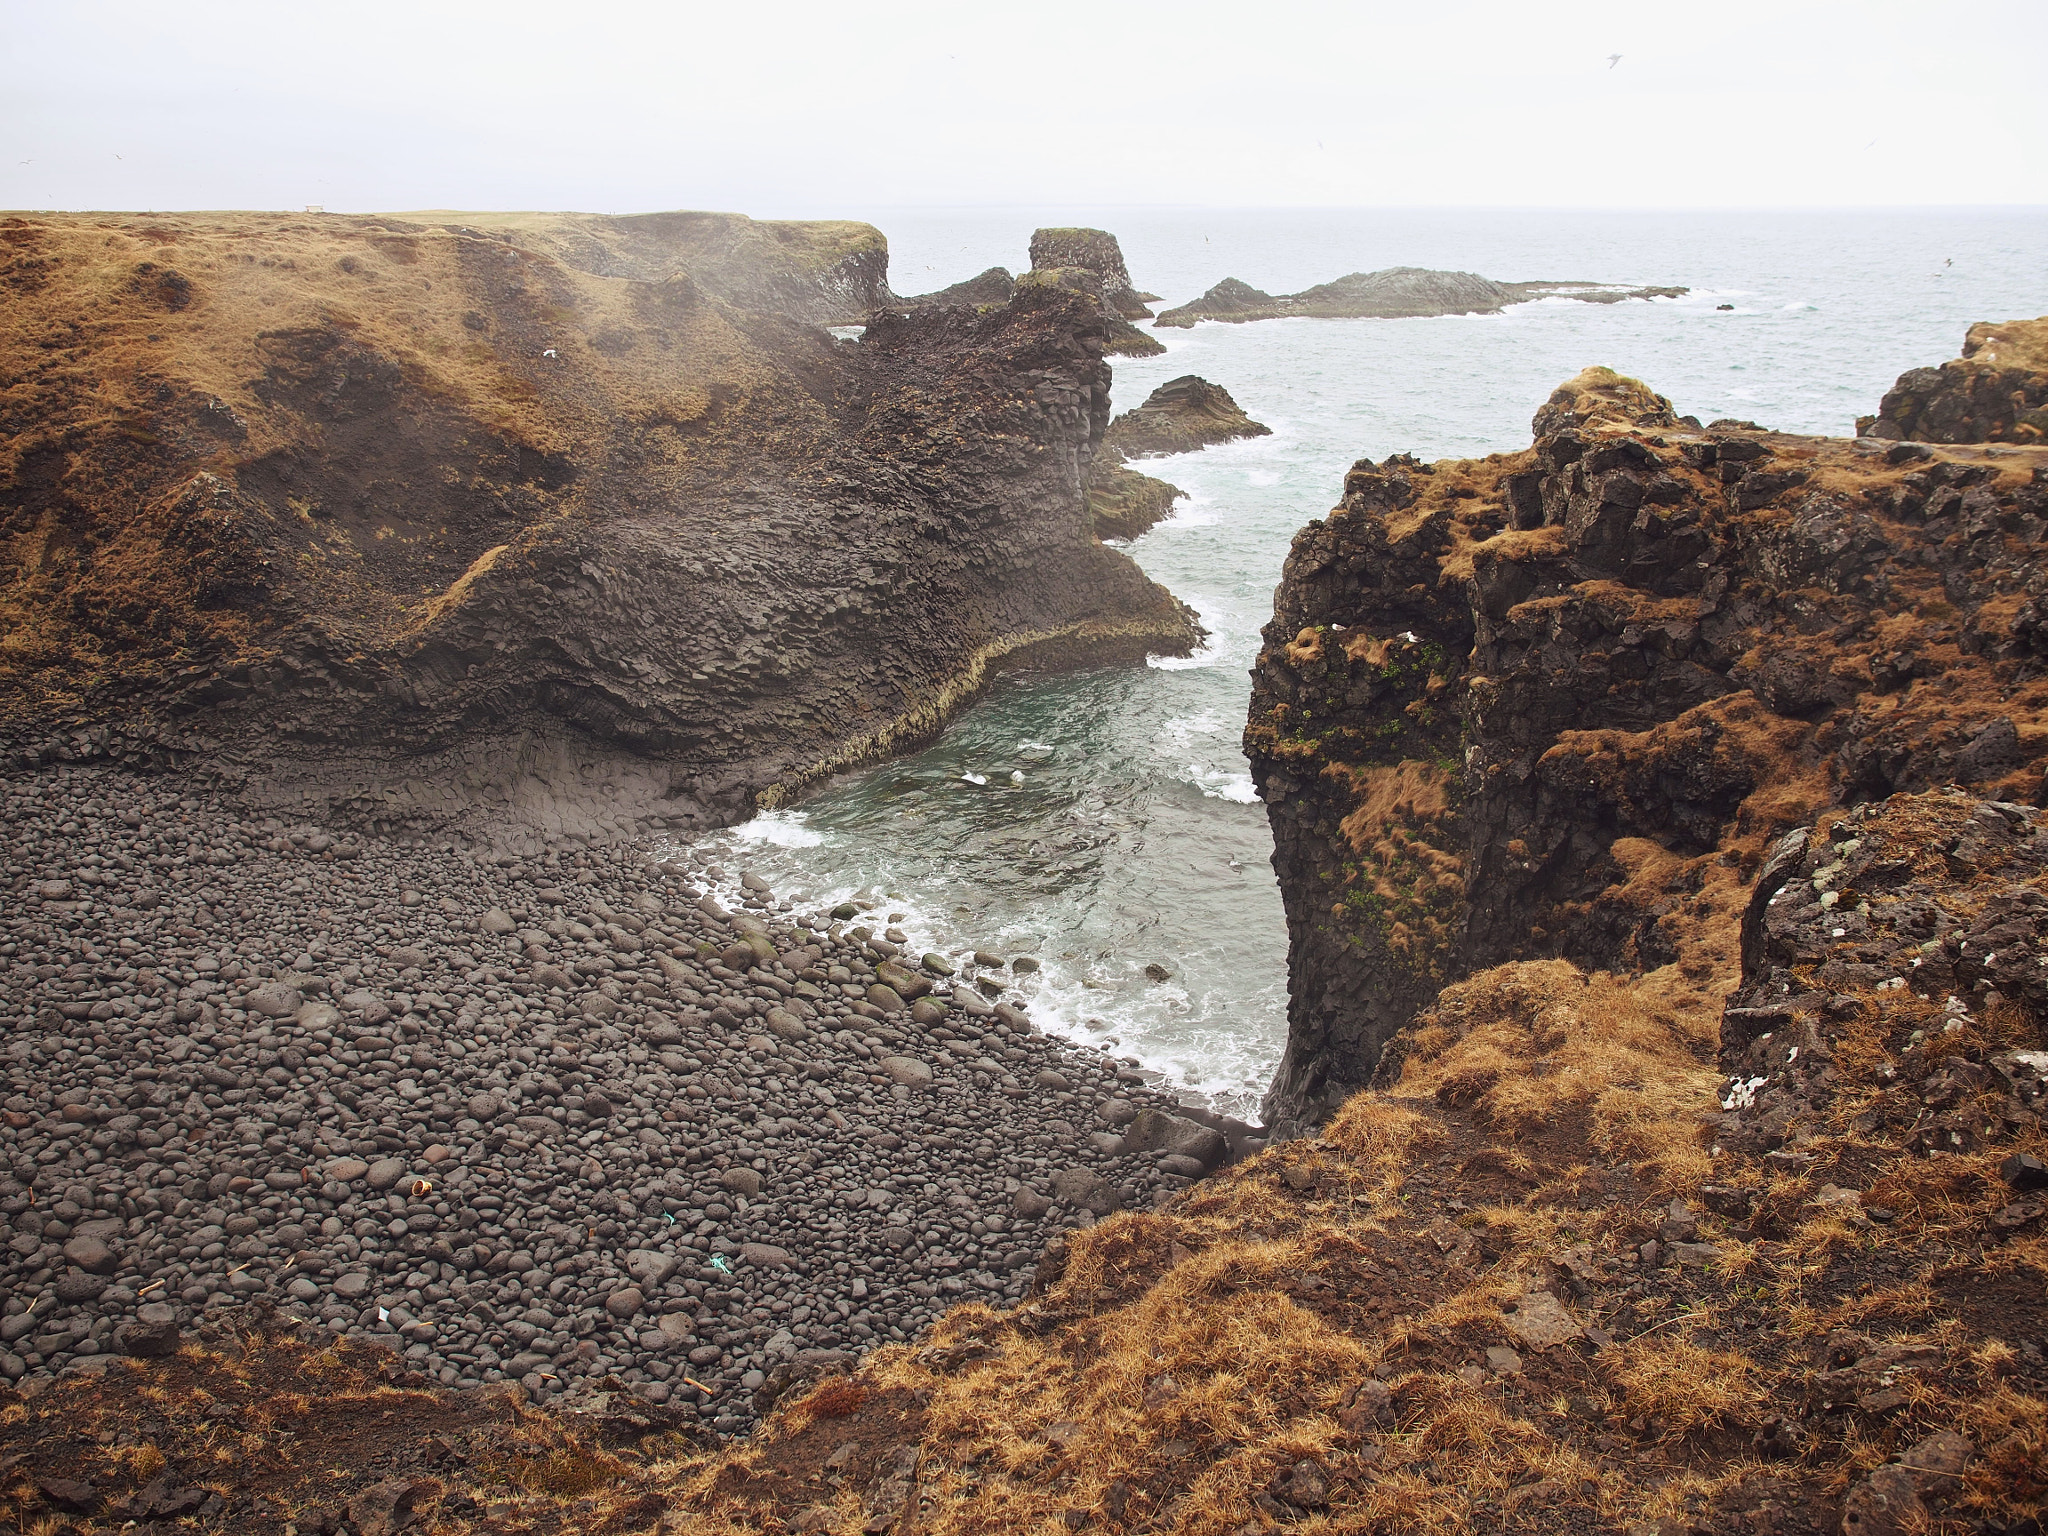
1205, 657
1034, 746
778, 829
1262, 477
1218, 784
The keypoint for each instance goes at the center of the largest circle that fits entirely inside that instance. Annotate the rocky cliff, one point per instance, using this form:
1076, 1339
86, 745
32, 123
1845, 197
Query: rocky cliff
1996, 392
1560, 703
1394, 293
1096, 251
543, 525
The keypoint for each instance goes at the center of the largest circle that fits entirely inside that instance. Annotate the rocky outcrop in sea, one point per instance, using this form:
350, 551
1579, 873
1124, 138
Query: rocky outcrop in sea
1394, 293
1559, 703
1180, 416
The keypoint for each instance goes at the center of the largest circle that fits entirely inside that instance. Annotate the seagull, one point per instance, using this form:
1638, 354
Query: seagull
1613, 59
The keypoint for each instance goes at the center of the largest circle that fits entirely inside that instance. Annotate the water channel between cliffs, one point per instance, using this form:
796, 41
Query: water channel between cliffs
1116, 828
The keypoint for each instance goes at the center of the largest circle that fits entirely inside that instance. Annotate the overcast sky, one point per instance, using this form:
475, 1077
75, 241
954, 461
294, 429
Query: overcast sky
805, 108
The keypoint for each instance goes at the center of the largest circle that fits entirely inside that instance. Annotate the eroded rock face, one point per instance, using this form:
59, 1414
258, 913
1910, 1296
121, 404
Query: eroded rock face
433, 526
1560, 703
1996, 392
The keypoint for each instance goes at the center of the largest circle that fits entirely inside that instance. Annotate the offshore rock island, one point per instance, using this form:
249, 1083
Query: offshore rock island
1180, 416
413, 1123
1393, 294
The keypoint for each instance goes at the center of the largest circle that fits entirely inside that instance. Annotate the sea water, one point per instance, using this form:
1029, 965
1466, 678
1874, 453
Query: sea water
1103, 822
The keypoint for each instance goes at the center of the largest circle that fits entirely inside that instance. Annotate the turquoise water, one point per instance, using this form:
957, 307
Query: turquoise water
1131, 836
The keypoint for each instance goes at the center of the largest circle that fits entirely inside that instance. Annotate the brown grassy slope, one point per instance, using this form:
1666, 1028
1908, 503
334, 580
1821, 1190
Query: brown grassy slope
832, 271
149, 362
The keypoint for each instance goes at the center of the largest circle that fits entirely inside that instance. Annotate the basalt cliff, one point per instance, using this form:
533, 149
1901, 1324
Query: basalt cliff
530, 521
1558, 704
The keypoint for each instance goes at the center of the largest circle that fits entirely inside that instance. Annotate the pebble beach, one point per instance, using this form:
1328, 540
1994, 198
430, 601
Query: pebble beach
562, 1119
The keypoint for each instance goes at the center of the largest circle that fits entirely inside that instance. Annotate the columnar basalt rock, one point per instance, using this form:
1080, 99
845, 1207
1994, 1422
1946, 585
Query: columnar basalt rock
1096, 251
430, 526
1559, 702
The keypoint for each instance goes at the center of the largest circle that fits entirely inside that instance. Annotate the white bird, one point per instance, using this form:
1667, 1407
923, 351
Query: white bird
1613, 59
1016, 775
972, 778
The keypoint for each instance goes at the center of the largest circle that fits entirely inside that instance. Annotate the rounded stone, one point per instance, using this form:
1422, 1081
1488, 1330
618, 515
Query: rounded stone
624, 1304
92, 1255
274, 1000
908, 1071
386, 1172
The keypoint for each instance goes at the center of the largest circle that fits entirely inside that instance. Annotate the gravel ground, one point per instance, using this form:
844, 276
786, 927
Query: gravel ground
560, 1120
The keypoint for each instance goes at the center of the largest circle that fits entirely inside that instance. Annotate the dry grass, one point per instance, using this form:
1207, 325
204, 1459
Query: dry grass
1542, 1049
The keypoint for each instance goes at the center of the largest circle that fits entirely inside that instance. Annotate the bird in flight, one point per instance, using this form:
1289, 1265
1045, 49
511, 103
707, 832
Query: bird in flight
1613, 59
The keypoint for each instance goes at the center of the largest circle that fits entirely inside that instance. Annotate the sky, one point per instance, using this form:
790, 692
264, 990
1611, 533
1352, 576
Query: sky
807, 109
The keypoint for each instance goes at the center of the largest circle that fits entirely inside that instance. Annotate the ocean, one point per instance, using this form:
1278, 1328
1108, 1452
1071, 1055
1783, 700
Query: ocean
1103, 822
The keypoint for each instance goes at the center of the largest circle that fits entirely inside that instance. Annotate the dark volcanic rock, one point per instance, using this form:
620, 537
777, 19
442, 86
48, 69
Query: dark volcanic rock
1559, 703
1929, 912
1394, 293
1996, 392
1090, 261
588, 1148
1124, 503
995, 286
1096, 251
1180, 416
620, 554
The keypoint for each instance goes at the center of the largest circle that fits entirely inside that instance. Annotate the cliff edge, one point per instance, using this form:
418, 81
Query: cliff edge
554, 522
1559, 703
